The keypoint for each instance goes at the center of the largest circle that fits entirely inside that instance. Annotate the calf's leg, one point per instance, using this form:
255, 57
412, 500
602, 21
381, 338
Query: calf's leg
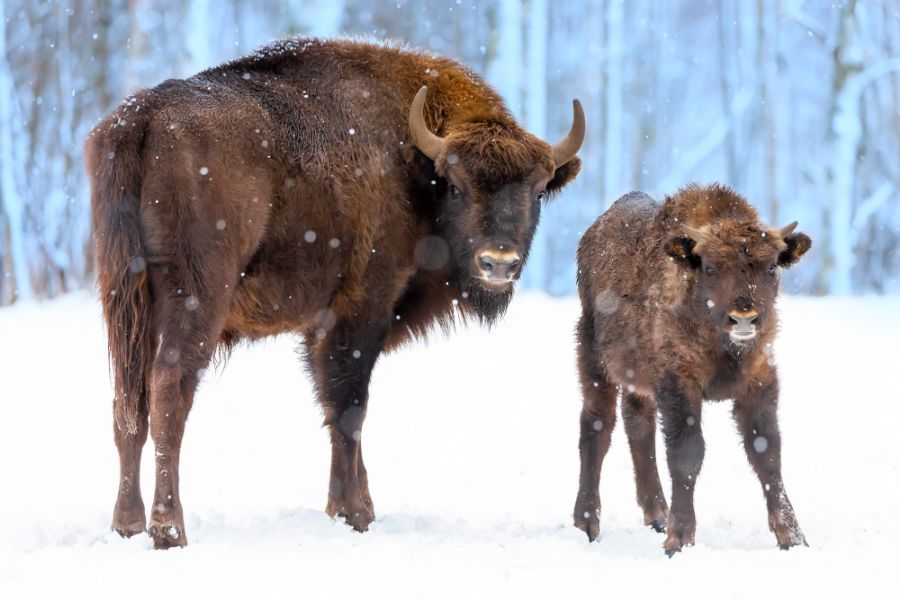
757, 420
639, 417
679, 405
598, 417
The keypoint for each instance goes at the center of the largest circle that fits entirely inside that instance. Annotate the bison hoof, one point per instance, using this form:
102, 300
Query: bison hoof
167, 535
129, 519
658, 525
129, 530
680, 534
356, 514
128, 525
787, 531
589, 522
795, 540
359, 521
656, 518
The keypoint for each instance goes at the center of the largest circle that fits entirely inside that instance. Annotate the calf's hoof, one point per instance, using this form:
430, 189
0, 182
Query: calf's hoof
589, 522
167, 535
791, 538
786, 529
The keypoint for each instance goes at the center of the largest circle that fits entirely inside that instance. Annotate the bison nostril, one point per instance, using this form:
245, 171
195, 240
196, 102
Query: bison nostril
753, 318
486, 264
732, 320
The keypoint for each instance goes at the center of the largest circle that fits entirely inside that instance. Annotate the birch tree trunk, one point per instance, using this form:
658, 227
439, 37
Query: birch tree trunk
18, 285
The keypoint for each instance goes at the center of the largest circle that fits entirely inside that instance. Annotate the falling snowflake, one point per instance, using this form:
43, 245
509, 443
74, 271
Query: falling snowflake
760, 444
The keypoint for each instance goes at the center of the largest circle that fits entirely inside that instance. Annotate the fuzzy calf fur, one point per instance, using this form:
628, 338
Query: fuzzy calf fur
678, 307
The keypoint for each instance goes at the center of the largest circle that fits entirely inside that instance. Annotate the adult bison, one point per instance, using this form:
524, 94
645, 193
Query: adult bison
678, 306
313, 187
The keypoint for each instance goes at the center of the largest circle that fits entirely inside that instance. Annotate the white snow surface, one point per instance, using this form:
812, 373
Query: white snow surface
471, 446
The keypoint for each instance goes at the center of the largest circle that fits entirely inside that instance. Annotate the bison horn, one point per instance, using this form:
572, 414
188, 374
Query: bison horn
787, 230
429, 144
566, 149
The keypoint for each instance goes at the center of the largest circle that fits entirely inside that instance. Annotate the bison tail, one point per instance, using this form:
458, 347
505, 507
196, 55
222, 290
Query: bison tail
115, 165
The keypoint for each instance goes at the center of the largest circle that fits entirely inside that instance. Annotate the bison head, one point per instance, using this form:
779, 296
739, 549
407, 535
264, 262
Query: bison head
736, 266
491, 181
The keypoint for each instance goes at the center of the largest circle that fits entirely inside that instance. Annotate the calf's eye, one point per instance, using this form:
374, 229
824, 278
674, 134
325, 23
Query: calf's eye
454, 191
710, 270
771, 270
541, 196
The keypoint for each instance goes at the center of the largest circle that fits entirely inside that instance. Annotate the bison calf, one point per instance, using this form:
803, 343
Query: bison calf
678, 306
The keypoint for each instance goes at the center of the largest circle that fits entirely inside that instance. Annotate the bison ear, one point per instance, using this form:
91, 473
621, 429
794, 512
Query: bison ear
682, 249
797, 245
563, 175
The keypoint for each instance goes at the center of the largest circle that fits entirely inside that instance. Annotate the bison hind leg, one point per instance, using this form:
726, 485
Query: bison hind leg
129, 515
192, 313
598, 417
639, 416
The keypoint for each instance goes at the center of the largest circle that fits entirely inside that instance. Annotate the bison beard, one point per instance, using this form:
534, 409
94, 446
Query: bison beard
288, 191
488, 305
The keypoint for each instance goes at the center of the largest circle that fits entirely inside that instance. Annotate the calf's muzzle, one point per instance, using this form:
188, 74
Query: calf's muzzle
742, 324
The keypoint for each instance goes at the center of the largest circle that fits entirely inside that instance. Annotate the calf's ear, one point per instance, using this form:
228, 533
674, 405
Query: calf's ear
681, 248
563, 176
797, 246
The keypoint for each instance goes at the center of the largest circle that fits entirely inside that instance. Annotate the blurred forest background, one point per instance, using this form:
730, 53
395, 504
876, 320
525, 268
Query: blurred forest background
794, 103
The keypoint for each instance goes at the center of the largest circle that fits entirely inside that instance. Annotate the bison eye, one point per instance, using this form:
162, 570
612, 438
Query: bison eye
541, 196
710, 270
771, 270
454, 192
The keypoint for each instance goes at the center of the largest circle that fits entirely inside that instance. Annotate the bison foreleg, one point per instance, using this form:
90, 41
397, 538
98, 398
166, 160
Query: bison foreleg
342, 362
756, 416
679, 405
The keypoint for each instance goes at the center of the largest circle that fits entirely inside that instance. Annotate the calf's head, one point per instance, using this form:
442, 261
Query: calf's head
735, 266
492, 180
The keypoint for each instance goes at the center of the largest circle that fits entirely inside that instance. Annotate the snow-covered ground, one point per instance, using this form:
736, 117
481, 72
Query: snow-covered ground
473, 470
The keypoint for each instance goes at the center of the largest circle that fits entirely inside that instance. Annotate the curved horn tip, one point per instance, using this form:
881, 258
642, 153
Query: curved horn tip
566, 149
788, 229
